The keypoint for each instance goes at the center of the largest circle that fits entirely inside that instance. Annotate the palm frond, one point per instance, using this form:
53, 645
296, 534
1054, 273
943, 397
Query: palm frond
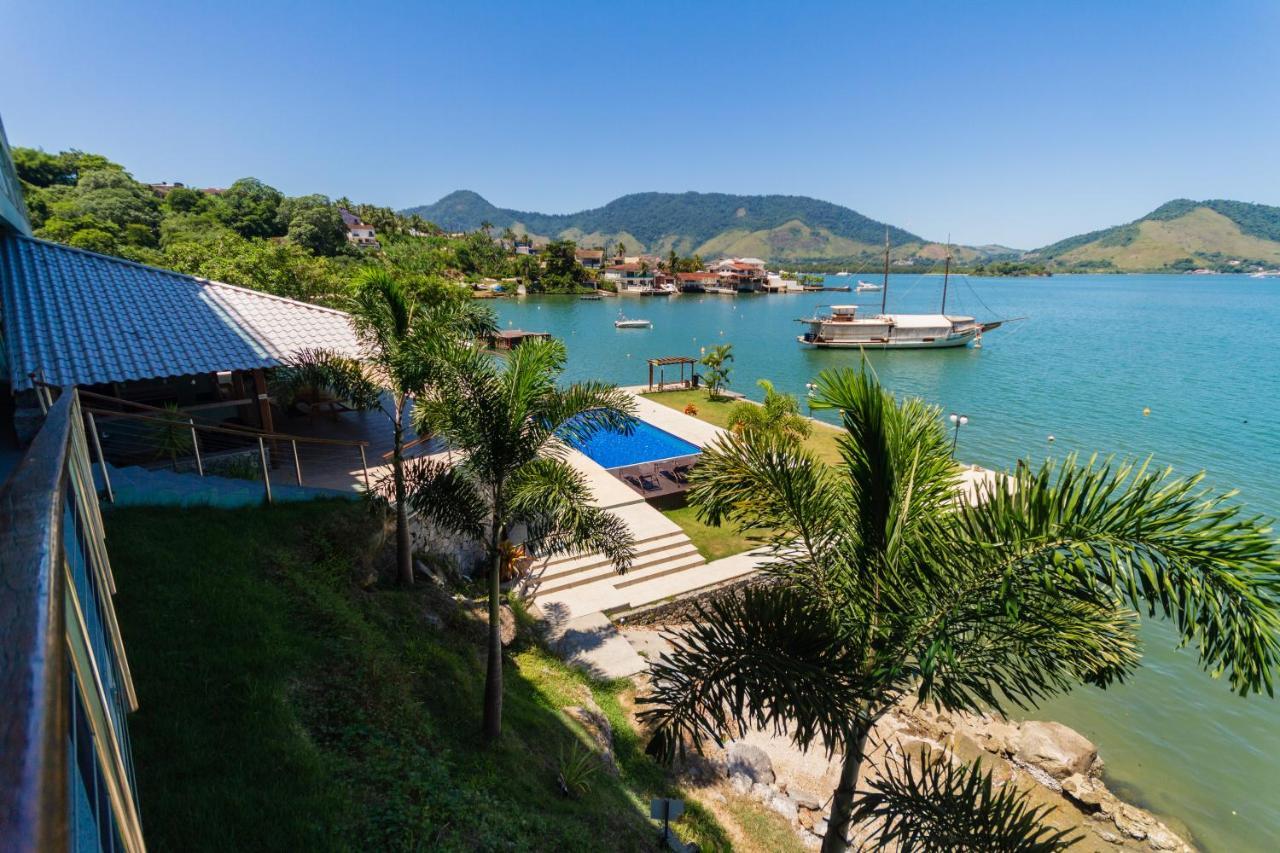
895, 456
443, 493
325, 370
1163, 544
1008, 642
381, 309
554, 502
586, 408
761, 481
767, 658
929, 804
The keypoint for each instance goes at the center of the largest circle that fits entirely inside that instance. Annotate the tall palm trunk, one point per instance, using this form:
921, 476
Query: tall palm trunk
404, 551
836, 839
493, 675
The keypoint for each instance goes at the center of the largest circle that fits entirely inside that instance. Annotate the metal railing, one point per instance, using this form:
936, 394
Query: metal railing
66, 765
154, 437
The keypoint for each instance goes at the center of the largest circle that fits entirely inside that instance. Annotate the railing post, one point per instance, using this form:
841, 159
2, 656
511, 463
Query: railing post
102, 460
364, 465
195, 445
266, 478
297, 466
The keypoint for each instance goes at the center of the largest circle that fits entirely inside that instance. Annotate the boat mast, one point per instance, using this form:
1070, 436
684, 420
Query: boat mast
946, 273
884, 289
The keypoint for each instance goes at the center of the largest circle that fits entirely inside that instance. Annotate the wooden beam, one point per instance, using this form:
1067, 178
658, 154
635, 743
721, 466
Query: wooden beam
264, 400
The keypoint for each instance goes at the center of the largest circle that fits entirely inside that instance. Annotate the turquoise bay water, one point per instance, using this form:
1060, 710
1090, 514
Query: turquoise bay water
1200, 352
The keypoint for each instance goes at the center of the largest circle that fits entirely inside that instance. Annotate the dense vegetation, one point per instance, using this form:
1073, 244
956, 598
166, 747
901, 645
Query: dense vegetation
289, 703
1010, 268
253, 235
694, 218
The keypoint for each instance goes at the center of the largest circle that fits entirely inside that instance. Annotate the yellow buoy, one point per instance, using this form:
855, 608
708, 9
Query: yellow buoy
1146, 410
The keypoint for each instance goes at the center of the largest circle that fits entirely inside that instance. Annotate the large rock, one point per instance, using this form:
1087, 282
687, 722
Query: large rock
784, 806
1056, 749
751, 761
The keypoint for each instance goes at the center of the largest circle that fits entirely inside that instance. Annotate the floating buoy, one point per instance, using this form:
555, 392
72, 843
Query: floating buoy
1146, 411
1052, 439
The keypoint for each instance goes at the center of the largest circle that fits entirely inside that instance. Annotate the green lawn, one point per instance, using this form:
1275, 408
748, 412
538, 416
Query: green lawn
283, 706
712, 542
822, 441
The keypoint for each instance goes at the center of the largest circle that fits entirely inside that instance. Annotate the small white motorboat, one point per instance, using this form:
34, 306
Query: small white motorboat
868, 286
623, 323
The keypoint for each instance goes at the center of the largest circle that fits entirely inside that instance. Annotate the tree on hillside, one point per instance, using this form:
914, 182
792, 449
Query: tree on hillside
186, 200
252, 209
509, 238
403, 340
561, 270
716, 361
313, 222
504, 419
779, 414
887, 588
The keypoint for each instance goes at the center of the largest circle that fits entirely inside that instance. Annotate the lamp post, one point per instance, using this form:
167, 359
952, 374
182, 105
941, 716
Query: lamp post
957, 421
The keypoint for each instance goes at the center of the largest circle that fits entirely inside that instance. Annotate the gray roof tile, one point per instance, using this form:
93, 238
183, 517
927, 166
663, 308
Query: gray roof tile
82, 318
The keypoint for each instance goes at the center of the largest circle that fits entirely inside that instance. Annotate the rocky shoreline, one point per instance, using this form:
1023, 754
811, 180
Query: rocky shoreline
1053, 763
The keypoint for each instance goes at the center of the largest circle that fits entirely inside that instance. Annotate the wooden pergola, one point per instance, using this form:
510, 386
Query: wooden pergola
667, 361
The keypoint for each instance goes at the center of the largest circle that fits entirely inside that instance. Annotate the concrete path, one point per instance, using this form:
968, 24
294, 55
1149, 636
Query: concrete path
593, 644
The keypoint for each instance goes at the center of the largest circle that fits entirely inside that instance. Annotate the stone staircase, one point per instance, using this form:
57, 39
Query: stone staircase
666, 565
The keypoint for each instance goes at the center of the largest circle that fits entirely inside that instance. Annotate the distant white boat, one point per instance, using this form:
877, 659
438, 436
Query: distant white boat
843, 274
623, 323
868, 286
723, 291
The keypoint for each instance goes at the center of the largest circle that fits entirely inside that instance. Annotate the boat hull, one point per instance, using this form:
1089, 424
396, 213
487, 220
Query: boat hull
957, 339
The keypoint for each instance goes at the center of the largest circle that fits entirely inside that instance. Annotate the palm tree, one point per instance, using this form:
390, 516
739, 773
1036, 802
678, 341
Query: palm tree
486, 227
403, 342
717, 364
509, 238
889, 586
780, 413
503, 424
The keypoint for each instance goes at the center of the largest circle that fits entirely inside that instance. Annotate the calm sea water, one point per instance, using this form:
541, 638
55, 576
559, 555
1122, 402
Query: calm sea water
1093, 352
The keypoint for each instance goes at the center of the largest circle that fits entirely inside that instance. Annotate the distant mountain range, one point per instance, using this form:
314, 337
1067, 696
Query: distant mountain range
778, 228
1181, 234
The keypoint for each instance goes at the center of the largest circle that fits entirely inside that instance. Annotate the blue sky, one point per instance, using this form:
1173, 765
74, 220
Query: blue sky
1017, 123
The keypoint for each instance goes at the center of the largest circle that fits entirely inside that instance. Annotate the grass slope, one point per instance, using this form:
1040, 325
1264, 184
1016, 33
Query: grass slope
284, 707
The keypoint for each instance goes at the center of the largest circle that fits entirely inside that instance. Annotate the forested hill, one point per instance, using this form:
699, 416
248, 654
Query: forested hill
1179, 235
774, 227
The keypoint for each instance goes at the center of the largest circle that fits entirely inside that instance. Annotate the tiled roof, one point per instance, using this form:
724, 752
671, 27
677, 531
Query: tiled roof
81, 318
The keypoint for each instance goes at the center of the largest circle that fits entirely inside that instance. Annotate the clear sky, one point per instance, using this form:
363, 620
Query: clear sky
1017, 123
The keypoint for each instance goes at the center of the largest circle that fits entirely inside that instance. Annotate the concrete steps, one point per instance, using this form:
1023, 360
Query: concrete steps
575, 571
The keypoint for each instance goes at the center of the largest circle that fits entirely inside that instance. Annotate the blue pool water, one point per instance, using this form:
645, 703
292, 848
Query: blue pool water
646, 443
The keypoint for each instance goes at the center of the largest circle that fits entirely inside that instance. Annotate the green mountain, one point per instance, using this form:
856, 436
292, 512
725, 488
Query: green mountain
778, 228
1180, 235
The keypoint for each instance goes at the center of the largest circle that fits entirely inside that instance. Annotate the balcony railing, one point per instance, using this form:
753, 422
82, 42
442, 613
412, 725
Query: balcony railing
66, 766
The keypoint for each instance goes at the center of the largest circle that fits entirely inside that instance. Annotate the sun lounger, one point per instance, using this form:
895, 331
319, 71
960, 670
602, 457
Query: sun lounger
672, 477
649, 483
633, 481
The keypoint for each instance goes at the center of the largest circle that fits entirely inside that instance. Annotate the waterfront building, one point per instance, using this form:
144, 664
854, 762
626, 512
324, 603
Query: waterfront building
592, 259
631, 277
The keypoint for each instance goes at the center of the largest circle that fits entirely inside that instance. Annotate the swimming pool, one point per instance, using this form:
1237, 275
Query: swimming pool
646, 443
